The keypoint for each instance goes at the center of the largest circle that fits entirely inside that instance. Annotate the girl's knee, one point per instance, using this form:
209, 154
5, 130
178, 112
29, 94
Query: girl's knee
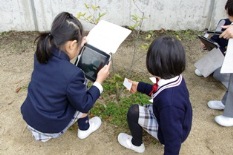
133, 112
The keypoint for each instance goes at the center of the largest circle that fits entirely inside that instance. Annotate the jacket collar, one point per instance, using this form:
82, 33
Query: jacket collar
163, 82
60, 54
168, 83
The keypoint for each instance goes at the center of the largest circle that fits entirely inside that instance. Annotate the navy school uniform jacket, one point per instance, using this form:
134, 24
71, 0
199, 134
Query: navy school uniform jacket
56, 91
172, 108
221, 41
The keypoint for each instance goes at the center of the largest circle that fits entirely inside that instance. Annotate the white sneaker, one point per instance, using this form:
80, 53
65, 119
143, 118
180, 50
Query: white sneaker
197, 72
45, 140
95, 123
224, 121
125, 140
217, 105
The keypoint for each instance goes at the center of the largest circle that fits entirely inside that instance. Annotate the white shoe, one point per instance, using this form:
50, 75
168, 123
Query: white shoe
197, 72
95, 123
224, 121
125, 140
45, 140
217, 105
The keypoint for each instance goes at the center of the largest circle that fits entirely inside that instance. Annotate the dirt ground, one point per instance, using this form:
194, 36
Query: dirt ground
16, 64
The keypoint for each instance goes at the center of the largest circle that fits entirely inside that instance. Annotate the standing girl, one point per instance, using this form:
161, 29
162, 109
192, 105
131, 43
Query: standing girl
169, 117
57, 94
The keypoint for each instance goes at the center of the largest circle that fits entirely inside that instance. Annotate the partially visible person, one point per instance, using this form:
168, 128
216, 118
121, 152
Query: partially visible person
169, 118
226, 104
222, 43
58, 95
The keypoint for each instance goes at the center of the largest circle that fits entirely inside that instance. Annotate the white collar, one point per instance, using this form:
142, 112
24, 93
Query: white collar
166, 81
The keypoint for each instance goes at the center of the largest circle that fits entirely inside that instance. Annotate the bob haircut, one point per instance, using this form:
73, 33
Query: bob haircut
166, 57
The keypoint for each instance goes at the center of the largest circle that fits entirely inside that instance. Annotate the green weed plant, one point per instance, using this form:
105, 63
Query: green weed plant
113, 109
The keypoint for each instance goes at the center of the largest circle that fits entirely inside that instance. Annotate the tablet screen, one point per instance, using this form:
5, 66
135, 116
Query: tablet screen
91, 61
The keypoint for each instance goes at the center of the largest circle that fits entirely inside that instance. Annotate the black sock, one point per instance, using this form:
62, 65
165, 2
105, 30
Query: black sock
135, 128
83, 123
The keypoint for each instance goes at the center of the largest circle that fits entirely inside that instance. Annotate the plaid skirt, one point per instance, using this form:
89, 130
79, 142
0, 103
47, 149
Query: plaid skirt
147, 120
44, 137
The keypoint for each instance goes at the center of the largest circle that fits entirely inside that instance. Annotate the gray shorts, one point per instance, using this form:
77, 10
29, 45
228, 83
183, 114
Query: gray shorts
147, 120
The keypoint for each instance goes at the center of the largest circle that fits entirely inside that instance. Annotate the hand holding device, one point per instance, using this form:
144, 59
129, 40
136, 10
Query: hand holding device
103, 73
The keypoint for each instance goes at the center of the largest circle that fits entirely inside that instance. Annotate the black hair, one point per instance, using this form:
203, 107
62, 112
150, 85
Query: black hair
229, 7
65, 27
166, 57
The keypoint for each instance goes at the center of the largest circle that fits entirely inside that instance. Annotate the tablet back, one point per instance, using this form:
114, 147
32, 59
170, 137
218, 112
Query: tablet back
208, 43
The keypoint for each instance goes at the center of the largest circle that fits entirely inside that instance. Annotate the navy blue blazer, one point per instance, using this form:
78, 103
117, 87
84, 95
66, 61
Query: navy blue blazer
221, 41
56, 91
173, 111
